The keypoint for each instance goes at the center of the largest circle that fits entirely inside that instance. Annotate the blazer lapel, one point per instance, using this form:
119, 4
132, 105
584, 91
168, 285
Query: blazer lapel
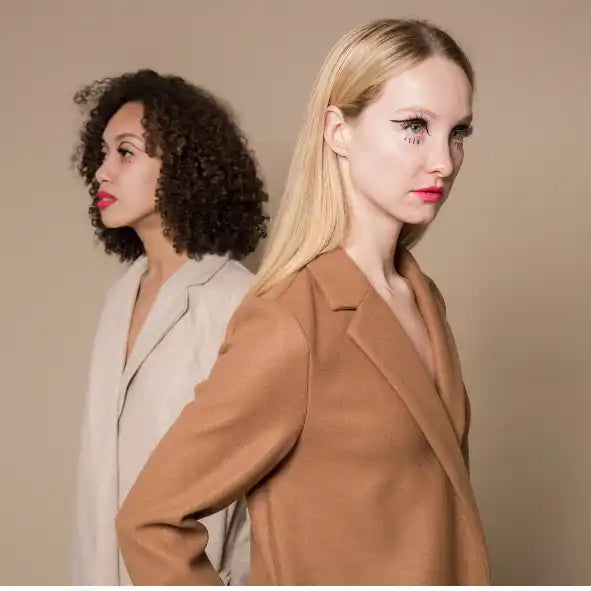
377, 332
448, 370
123, 302
379, 335
169, 307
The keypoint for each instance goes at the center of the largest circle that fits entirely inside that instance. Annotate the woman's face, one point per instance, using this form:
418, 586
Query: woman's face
403, 152
128, 176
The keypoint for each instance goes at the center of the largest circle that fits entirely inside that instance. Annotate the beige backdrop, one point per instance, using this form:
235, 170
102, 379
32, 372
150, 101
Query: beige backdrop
510, 251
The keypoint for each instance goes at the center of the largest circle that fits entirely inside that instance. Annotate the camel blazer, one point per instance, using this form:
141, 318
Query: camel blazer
129, 407
320, 410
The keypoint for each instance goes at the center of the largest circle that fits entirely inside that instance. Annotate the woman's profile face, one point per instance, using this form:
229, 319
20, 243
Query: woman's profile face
404, 150
128, 176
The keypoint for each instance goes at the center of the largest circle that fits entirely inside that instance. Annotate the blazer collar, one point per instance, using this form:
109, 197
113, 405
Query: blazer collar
344, 284
340, 279
346, 288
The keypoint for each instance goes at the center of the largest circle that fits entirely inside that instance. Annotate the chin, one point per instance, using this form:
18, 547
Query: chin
112, 221
428, 217
420, 218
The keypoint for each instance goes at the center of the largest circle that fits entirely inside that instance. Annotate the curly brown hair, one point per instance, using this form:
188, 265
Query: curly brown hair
209, 194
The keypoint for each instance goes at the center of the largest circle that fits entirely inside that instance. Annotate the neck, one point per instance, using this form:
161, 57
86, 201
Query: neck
374, 254
371, 239
163, 260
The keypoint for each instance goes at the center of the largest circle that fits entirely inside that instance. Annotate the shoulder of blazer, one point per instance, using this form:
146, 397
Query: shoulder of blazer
225, 289
293, 297
260, 315
233, 273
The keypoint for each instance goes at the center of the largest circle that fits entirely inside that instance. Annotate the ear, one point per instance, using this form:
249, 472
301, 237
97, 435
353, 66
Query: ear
336, 131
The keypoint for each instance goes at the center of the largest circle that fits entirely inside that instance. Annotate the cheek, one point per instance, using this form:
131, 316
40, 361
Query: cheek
141, 183
384, 167
458, 158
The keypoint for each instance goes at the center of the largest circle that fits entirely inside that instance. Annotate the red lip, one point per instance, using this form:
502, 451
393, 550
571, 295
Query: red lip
105, 199
430, 194
430, 190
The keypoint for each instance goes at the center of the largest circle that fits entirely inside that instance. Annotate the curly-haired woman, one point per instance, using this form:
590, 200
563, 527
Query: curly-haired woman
175, 192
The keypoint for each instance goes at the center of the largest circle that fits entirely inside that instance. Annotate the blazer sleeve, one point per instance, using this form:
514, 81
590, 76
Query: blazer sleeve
245, 418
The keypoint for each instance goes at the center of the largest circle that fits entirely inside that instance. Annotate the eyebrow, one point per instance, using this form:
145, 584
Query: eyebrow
125, 135
420, 110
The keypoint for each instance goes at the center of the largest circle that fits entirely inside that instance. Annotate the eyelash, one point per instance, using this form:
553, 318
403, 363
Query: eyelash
126, 154
464, 130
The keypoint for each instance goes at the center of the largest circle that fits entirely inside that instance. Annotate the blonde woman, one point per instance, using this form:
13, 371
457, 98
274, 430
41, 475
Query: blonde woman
337, 403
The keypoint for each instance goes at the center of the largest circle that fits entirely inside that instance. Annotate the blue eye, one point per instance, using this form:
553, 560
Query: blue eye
416, 125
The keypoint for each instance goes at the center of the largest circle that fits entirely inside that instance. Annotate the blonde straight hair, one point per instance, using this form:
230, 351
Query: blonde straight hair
312, 217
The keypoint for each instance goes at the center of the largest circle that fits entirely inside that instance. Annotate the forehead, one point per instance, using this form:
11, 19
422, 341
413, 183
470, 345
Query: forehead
128, 119
436, 84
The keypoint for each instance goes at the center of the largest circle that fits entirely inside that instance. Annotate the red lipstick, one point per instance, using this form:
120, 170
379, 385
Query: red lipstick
105, 199
430, 194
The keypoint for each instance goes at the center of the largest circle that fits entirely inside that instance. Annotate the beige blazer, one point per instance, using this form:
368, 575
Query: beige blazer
320, 410
128, 409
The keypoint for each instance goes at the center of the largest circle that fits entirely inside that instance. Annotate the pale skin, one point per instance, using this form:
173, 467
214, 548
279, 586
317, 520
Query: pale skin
410, 138
131, 175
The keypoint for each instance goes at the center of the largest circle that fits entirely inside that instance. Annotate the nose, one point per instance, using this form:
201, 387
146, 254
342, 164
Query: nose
441, 161
105, 172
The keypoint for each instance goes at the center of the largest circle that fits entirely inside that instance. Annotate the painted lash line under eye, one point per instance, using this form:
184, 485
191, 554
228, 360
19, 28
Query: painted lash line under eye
412, 140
